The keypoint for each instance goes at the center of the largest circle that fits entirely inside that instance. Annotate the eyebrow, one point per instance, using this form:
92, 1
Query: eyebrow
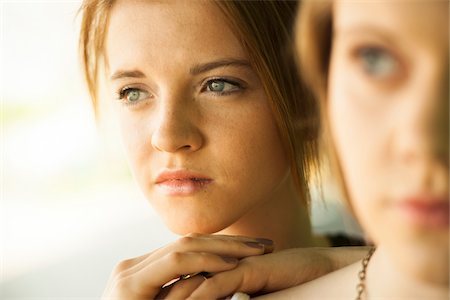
127, 74
195, 70
364, 30
201, 68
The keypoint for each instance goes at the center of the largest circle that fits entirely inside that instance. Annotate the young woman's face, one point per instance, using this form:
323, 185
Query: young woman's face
388, 110
196, 123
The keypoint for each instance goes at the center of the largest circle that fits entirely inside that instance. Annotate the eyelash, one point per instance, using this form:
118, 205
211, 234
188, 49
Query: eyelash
123, 93
237, 86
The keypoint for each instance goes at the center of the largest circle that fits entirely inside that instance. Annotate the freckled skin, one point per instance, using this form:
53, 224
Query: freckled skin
230, 138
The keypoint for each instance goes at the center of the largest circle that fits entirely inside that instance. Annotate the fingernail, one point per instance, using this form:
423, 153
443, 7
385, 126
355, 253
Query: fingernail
230, 260
266, 242
240, 296
254, 245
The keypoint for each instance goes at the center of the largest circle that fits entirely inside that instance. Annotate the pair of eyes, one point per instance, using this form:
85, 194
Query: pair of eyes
375, 61
217, 86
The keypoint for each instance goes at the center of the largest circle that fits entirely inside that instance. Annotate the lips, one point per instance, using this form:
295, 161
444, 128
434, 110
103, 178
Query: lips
181, 182
430, 212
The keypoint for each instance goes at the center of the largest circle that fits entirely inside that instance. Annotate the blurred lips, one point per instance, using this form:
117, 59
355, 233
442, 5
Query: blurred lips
430, 212
181, 182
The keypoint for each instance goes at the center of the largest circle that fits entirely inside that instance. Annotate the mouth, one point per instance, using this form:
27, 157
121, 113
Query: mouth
181, 182
429, 212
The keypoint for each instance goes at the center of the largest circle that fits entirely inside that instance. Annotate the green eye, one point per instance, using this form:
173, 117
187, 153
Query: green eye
216, 86
222, 86
132, 95
378, 62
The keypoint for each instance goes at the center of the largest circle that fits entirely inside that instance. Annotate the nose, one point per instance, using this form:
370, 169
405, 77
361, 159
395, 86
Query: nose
175, 127
424, 123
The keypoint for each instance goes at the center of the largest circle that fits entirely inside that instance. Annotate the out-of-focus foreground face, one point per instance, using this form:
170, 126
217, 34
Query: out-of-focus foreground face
196, 123
388, 110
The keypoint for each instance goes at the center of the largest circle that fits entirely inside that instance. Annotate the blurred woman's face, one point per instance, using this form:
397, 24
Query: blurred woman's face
196, 123
388, 110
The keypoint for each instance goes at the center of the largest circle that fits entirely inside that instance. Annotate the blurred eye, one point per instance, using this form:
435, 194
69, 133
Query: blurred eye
378, 62
222, 86
132, 95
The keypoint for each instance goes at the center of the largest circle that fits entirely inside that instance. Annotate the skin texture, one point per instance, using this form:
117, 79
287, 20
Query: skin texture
142, 277
162, 74
179, 123
388, 110
389, 119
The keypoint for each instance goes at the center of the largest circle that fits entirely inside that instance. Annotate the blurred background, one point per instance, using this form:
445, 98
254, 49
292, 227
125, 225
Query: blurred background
69, 209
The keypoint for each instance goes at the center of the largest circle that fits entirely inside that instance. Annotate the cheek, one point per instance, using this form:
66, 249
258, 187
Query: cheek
249, 147
347, 128
136, 141
361, 130
353, 128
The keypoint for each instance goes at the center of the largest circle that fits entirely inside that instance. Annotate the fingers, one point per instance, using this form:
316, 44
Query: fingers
147, 282
249, 277
218, 286
267, 273
225, 246
144, 276
238, 247
268, 244
176, 264
182, 288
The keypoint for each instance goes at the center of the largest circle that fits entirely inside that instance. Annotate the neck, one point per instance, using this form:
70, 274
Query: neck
385, 279
283, 218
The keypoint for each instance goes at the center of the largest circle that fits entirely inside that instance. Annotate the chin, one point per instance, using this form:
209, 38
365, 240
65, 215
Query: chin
426, 259
186, 225
433, 271
434, 268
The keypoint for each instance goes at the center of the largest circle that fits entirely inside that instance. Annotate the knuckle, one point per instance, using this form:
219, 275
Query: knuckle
174, 258
203, 259
123, 266
244, 273
184, 242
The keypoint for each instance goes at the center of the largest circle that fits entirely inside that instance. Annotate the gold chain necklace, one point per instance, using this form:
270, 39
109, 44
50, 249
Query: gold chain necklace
361, 286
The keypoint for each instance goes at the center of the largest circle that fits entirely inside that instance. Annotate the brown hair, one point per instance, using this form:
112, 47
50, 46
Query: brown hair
265, 31
314, 41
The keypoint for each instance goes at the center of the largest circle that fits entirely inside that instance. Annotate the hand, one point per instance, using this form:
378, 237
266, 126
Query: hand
143, 277
275, 271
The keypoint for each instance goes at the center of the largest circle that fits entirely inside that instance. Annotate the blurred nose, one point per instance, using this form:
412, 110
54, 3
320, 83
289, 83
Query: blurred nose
175, 126
424, 122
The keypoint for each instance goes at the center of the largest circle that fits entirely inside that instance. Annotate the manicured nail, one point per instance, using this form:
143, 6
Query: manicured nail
254, 245
230, 260
266, 242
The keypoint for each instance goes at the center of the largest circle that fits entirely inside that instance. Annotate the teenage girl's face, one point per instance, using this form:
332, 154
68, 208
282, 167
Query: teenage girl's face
388, 110
199, 134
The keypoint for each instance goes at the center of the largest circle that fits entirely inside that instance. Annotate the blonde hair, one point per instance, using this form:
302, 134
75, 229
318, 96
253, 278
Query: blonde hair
265, 32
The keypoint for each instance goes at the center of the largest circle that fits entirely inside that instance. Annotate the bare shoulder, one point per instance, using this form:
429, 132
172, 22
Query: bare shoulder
340, 284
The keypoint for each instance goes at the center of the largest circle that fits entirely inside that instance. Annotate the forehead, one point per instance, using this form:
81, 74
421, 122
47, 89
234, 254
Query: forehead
179, 31
424, 20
